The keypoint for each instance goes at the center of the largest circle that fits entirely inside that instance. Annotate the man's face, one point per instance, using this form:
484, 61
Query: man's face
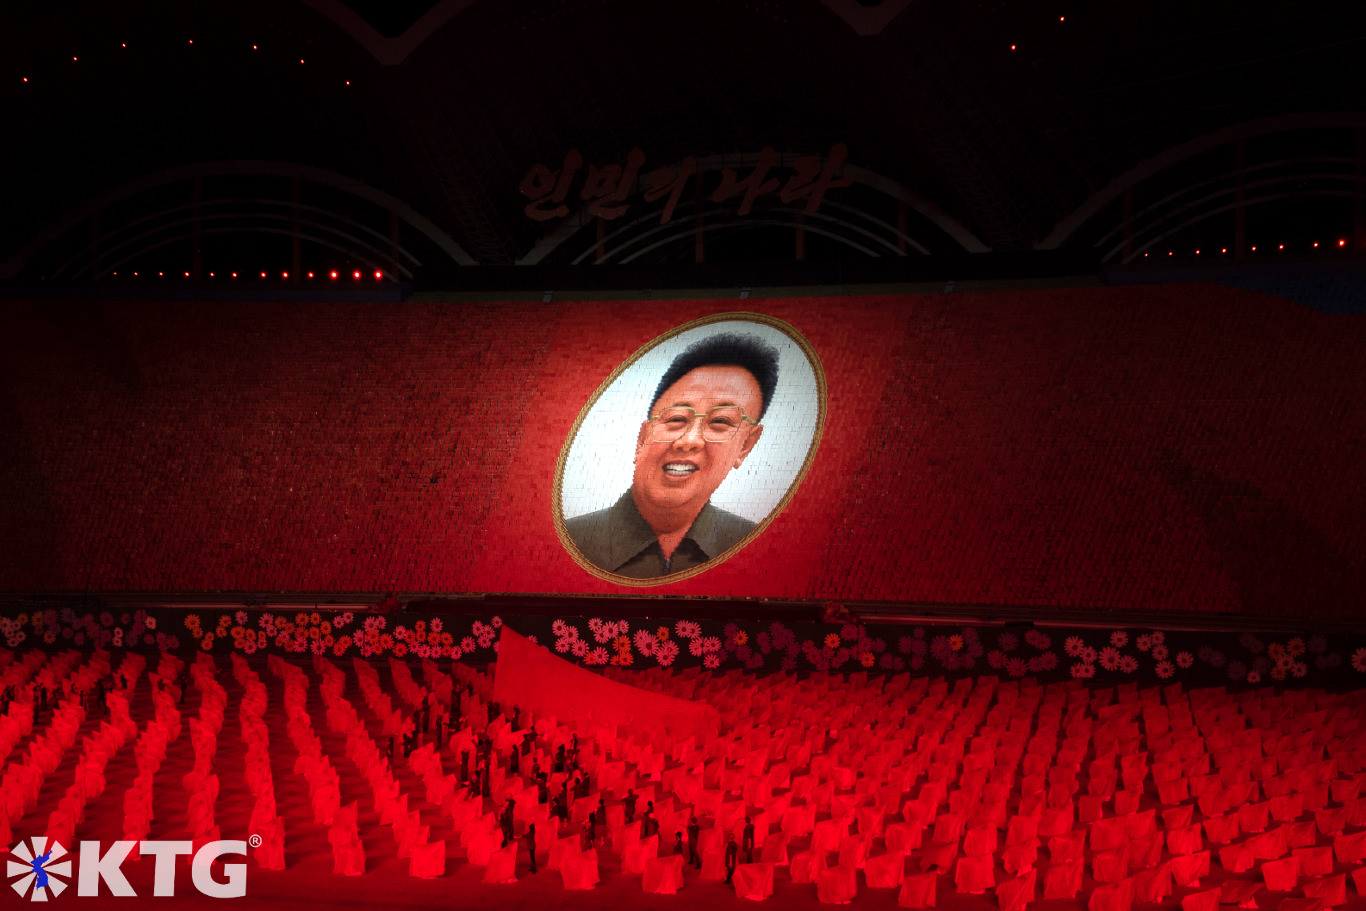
683, 474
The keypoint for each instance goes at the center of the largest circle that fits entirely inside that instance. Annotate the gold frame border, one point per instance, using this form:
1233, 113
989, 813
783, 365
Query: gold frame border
556, 500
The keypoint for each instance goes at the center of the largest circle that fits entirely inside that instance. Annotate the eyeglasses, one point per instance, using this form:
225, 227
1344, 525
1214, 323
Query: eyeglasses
719, 424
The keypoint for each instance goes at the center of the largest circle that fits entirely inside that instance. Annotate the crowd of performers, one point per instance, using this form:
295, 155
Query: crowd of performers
478, 756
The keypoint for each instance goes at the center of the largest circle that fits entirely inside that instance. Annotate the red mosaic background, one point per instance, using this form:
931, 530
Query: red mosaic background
1190, 447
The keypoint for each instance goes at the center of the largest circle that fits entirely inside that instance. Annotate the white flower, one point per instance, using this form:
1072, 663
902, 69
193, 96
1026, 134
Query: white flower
1083, 669
1184, 659
687, 629
1073, 645
1159, 652
1109, 658
1119, 638
1165, 669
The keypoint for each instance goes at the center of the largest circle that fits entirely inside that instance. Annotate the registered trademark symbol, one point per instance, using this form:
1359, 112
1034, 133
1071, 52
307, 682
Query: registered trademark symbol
254, 841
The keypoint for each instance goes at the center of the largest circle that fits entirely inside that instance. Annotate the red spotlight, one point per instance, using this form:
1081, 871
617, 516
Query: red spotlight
334, 273
284, 275
234, 275
1342, 243
1281, 247
263, 275
135, 275
1254, 249
1224, 250
378, 275
310, 275
210, 275
161, 274
1197, 252
1012, 47
187, 275
1316, 245
356, 275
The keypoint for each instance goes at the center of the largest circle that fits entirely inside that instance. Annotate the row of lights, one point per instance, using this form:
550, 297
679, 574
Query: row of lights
334, 275
1279, 247
254, 47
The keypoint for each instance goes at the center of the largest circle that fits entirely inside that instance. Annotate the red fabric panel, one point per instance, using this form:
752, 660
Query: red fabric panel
531, 676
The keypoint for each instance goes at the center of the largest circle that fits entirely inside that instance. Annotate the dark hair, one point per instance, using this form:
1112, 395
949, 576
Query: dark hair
726, 350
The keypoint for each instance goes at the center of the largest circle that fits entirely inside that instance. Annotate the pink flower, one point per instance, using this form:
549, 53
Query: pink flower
1144, 642
1184, 659
996, 658
1109, 658
1157, 636
597, 656
1074, 645
711, 644
1254, 676
666, 652
1159, 652
1038, 639
695, 646
579, 648
560, 628
1128, 664
687, 629
467, 644
497, 622
562, 644
435, 626
645, 642
1083, 669
1119, 638
711, 661
1359, 659
1164, 669
1087, 655
1016, 667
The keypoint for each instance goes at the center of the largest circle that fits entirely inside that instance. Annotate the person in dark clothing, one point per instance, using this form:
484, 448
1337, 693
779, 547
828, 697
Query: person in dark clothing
558, 765
678, 843
542, 792
505, 821
516, 717
732, 855
514, 763
694, 834
464, 765
748, 844
530, 839
588, 838
628, 803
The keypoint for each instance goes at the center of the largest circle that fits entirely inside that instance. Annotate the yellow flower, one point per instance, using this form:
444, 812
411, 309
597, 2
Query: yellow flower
741, 637
1295, 647
832, 641
956, 642
867, 659
662, 633
238, 632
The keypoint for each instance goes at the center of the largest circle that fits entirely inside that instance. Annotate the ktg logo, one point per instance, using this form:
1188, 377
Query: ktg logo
46, 871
